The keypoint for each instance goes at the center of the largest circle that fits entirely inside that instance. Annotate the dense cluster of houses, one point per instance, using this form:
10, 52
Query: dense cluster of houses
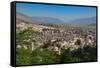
68, 38
56, 39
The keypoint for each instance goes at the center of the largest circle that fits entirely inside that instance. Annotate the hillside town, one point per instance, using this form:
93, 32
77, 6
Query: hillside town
55, 38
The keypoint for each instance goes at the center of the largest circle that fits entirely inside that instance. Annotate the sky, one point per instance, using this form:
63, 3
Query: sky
65, 13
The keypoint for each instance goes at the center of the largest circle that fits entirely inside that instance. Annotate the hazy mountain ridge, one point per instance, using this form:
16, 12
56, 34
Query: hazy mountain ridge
23, 17
55, 21
38, 20
86, 21
47, 20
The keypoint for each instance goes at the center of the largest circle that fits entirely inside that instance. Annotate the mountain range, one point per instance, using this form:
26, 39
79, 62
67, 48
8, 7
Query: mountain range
87, 21
51, 20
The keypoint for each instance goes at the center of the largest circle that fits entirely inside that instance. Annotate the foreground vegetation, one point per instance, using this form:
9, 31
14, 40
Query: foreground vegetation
45, 56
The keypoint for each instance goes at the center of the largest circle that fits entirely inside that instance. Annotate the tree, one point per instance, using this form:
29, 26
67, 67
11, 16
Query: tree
78, 42
90, 53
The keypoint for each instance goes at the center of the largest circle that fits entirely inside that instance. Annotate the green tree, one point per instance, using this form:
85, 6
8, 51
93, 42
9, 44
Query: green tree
78, 42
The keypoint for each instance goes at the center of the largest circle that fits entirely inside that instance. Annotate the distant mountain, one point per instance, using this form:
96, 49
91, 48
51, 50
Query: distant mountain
39, 20
25, 18
93, 24
47, 20
51, 20
85, 21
